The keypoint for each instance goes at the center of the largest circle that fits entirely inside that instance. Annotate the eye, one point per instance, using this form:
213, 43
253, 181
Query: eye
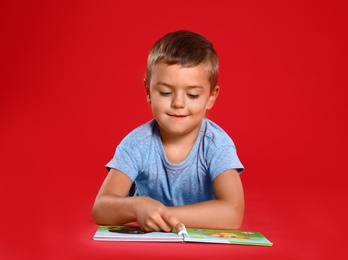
192, 96
165, 93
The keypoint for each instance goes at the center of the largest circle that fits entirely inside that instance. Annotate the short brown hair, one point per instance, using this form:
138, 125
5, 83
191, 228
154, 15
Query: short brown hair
187, 49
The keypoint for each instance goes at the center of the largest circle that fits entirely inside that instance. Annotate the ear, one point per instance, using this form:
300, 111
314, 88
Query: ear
213, 96
147, 88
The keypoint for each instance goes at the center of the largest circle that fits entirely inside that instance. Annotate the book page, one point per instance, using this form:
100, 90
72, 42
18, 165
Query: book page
226, 237
133, 233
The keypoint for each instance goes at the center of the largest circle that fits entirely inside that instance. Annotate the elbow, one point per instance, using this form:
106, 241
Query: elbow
229, 221
233, 225
235, 219
236, 224
98, 219
96, 214
238, 216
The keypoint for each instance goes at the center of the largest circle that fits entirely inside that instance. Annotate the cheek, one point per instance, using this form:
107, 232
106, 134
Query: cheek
158, 104
198, 106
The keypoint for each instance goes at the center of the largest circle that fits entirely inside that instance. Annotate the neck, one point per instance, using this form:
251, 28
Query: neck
177, 147
187, 138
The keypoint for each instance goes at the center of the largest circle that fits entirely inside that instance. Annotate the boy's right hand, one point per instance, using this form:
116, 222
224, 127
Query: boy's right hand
152, 215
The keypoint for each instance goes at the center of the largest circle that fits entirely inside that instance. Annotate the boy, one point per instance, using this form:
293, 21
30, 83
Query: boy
184, 166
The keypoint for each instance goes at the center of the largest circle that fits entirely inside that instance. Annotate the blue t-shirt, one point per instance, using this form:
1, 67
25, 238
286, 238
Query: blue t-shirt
141, 156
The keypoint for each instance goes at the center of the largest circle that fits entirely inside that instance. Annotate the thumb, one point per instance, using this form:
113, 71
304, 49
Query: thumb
179, 226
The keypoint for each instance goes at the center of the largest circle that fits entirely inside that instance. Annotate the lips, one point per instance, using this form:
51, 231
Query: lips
175, 116
178, 115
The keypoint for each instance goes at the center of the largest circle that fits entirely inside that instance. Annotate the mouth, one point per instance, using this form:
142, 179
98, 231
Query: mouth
177, 117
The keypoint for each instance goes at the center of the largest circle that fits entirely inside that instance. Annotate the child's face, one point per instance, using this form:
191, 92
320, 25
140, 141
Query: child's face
179, 97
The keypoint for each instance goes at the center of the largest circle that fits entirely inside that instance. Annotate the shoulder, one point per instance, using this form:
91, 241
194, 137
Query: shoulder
218, 149
214, 135
140, 136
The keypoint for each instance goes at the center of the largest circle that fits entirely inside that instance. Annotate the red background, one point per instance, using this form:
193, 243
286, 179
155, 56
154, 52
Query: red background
72, 87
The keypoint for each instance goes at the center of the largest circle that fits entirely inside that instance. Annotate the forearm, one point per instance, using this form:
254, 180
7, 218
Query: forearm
214, 214
114, 210
117, 210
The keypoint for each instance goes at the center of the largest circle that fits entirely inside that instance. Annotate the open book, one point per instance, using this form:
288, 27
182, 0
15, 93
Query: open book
134, 233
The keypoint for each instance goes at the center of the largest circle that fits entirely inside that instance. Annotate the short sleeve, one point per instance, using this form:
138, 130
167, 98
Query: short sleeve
224, 158
125, 160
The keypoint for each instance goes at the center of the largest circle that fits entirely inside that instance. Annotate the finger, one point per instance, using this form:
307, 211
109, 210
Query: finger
150, 228
174, 223
179, 226
155, 224
163, 225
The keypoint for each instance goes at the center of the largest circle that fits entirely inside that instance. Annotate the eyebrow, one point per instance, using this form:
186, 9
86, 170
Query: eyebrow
170, 86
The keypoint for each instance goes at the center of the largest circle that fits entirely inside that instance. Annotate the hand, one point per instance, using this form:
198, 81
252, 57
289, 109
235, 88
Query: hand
152, 215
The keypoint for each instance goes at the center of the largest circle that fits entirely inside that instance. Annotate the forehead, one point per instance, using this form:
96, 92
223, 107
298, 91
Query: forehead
177, 75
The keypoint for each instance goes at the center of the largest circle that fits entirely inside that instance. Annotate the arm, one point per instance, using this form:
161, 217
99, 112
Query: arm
113, 207
225, 212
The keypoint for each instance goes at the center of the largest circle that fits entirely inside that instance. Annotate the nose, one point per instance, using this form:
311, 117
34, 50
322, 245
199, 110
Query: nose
178, 101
